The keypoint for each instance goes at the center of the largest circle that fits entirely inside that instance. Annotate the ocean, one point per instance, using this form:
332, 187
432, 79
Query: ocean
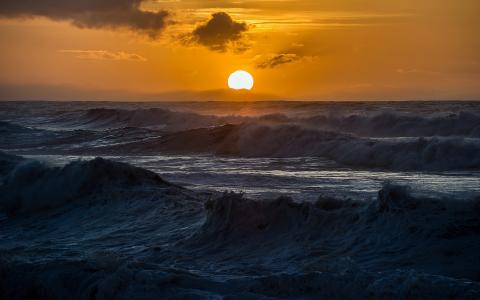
240, 200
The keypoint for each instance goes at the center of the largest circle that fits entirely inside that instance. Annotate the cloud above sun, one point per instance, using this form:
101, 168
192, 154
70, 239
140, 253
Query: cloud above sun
220, 33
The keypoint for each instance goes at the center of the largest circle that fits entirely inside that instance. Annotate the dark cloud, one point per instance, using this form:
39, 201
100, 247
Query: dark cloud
90, 13
220, 32
276, 60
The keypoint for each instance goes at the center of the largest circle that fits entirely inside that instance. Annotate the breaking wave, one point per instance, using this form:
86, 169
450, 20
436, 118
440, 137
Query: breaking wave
398, 229
253, 140
275, 249
103, 229
7, 127
31, 185
385, 124
258, 140
156, 118
163, 246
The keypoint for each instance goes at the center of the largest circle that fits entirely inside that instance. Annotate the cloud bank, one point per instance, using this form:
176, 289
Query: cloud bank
111, 14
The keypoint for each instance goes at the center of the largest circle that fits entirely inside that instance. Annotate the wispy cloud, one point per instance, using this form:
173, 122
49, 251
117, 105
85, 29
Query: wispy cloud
416, 71
105, 55
275, 60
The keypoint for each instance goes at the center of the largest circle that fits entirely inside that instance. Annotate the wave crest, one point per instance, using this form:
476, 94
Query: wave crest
254, 140
397, 223
33, 186
156, 118
389, 124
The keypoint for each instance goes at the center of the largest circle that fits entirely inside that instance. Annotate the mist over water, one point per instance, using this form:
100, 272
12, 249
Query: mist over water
341, 200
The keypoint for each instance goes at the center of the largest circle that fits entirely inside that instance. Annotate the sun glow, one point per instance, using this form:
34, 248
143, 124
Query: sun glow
240, 80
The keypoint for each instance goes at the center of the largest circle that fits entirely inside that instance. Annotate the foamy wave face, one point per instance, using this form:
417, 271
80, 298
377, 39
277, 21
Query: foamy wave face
259, 140
253, 140
395, 230
379, 140
399, 246
387, 124
102, 229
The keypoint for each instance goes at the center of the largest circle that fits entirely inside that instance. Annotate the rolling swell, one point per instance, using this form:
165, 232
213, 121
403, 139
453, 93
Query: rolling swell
389, 124
384, 124
7, 127
100, 229
390, 141
8, 163
87, 279
237, 247
398, 229
158, 118
254, 140
260, 140
30, 185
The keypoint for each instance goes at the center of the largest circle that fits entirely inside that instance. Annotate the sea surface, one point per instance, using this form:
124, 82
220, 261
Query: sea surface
243, 200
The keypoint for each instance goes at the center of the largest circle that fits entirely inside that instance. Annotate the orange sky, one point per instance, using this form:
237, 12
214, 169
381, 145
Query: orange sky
179, 50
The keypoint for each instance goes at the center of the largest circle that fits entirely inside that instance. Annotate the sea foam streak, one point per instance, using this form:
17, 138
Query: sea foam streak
260, 140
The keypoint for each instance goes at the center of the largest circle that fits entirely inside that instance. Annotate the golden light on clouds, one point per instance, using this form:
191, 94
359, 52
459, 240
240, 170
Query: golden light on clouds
167, 50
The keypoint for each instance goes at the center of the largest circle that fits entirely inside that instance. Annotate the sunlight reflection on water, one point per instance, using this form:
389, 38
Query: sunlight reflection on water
302, 178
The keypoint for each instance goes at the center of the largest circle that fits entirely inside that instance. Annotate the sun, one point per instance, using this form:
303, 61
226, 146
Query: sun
240, 80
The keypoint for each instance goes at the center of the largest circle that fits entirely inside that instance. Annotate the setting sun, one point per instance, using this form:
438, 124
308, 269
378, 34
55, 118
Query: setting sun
240, 80
197, 149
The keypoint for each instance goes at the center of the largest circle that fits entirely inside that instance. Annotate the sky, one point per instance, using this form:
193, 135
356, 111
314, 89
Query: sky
185, 50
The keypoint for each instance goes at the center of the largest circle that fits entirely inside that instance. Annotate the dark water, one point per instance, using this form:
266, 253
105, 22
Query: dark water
383, 200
